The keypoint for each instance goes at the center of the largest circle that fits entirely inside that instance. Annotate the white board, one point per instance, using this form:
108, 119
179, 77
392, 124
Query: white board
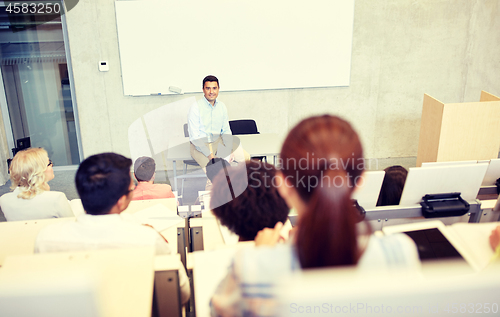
367, 194
448, 163
248, 45
492, 173
420, 181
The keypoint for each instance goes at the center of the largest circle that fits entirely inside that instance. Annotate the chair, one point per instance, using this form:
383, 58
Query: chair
188, 162
242, 127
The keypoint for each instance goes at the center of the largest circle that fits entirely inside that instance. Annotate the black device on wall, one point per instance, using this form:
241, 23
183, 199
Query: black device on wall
21, 144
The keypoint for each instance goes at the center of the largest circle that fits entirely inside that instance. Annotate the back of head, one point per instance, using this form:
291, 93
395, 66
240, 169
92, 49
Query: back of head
258, 206
27, 171
322, 159
101, 180
392, 186
144, 168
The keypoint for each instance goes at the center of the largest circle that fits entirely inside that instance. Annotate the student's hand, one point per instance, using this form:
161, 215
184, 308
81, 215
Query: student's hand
495, 238
211, 156
268, 236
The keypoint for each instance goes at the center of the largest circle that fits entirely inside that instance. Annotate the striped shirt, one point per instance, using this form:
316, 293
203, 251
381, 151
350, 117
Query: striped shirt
249, 289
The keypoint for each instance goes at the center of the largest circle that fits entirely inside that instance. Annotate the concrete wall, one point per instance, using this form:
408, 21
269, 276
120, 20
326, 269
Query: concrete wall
402, 49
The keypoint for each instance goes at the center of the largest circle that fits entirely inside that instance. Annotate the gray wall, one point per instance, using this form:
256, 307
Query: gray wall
402, 49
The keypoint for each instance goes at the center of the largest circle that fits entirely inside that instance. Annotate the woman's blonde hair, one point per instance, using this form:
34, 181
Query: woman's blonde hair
27, 171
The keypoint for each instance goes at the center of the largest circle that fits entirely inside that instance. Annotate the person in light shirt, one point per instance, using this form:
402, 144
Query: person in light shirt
208, 125
32, 199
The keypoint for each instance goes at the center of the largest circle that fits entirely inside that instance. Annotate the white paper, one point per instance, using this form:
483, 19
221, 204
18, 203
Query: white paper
474, 237
465, 179
369, 190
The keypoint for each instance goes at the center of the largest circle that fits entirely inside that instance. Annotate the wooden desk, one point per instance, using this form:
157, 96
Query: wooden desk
168, 295
267, 144
18, 237
119, 283
136, 205
489, 215
175, 235
208, 228
209, 268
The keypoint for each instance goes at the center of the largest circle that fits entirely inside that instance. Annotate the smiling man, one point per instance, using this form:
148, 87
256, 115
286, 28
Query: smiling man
208, 126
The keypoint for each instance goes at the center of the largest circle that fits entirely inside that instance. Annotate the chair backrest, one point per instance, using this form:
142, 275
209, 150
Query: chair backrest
243, 127
186, 131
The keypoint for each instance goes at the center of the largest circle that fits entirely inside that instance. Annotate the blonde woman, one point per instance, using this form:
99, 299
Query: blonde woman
30, 170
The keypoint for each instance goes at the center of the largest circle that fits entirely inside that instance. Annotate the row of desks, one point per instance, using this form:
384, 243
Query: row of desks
123, 279
18, 238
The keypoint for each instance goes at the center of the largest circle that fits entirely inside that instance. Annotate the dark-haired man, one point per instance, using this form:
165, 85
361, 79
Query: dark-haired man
105, 187
208, 126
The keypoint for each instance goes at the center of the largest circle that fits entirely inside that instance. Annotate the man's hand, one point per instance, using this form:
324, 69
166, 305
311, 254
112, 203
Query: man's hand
495, 238
268, 236
211, 156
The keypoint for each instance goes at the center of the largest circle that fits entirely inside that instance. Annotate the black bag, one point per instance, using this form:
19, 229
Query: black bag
444, 205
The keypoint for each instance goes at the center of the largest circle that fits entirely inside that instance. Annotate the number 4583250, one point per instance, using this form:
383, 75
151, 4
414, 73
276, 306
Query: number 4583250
478, 308
33, 8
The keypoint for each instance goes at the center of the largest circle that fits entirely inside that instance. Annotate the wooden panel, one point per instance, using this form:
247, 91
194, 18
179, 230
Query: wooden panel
136, 205
470, 131
486, 96
18, 237
430, 130
212, 237
123, 277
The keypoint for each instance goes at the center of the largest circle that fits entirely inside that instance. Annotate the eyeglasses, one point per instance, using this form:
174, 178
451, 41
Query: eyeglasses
50, 163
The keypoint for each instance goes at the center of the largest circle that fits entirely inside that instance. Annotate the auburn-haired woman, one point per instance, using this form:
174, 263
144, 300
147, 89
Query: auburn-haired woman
321, 164
30, 170
392, 186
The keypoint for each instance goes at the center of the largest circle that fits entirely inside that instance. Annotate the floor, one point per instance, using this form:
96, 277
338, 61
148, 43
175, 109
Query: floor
64, 179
